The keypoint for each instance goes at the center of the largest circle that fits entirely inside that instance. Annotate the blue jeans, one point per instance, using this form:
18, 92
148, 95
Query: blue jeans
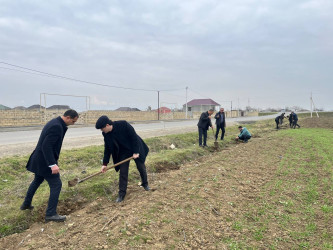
55, 185
202, 132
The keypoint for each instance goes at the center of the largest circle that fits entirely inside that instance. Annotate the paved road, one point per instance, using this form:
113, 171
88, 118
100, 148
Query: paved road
31, 136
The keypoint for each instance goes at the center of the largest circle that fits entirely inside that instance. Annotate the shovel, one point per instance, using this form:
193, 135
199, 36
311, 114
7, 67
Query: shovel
76, 181
216, 144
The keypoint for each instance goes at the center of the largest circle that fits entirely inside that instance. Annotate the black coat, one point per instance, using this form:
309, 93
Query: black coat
217, 117
204, 121
48, 148
122, 142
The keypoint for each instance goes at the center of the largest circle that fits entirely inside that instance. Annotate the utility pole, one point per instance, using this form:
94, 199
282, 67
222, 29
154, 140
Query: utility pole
231, 109
238, 108
311, 104
186, 104
158, 105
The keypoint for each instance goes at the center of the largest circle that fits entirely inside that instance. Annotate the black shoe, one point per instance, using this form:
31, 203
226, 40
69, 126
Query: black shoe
24, 207
147, 188
56, 218
120, 198
200, 146
245, 141
204, 146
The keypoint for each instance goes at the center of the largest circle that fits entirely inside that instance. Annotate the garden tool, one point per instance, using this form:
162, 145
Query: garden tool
76, 181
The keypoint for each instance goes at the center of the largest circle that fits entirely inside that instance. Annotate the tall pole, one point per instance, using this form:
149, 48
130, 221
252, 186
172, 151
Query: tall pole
158, 105
186, 104
40, 102
44, 108
238, 108
311, 104
231, 109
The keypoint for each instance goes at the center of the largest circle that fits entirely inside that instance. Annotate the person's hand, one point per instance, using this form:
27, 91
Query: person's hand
135, 156
55, 169
212, 127
210, 117
103, 169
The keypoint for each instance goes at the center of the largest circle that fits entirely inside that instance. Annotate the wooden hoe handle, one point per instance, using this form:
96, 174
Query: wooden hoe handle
115, 165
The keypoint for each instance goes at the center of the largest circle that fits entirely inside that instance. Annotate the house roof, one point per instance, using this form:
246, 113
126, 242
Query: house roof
163, 110
3, 107
35, 106
58, 107
127, 109
196, 102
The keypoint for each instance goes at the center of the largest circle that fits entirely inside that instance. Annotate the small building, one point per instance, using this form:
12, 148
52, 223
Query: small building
200, 105
163, 110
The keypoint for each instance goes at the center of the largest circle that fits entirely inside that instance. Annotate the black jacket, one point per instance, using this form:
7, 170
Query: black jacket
48, 148
217, 117
122, 142
204, 121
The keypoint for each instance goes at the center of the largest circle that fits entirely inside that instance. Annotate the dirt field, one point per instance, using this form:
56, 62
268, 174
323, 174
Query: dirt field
197, 206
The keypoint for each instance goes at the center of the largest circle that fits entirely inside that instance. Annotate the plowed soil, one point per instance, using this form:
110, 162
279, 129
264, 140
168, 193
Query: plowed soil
192, 207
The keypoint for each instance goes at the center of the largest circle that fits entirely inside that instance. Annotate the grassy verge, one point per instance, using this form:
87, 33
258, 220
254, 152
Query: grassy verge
298, 200
82, 162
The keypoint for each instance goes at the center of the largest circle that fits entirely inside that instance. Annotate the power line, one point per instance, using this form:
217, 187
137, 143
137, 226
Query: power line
197, 93
41, 73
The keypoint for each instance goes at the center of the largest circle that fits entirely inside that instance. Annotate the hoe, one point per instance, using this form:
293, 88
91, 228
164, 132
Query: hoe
76, 181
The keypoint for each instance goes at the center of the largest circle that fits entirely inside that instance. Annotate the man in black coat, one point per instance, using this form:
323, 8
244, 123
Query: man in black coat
121, 141
203, 125
277, 121
220, 123
290, 119
43, 162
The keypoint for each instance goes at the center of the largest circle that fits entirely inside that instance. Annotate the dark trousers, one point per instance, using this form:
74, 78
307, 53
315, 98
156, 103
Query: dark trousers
202, 132
290, 123
244, 138
123, 175
55, 185
277, 123
218, 127
295, 124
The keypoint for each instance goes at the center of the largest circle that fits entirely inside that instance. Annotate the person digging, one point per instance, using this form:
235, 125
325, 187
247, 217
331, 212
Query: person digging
122, 142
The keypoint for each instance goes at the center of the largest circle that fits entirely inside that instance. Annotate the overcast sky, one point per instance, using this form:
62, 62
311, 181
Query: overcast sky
257, 52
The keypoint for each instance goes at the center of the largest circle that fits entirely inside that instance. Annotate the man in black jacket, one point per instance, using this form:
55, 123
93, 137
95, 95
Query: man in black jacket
121, 141
290, 118
220, 123
203, 125
43, 162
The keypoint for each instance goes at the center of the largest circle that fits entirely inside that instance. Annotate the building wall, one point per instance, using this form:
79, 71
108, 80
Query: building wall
19, 118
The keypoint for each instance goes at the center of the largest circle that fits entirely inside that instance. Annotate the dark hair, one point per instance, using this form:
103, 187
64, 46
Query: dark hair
71, 113
240, 127
102, 121
211, 110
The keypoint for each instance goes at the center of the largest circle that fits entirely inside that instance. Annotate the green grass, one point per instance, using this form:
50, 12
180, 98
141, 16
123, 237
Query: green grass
300, 197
